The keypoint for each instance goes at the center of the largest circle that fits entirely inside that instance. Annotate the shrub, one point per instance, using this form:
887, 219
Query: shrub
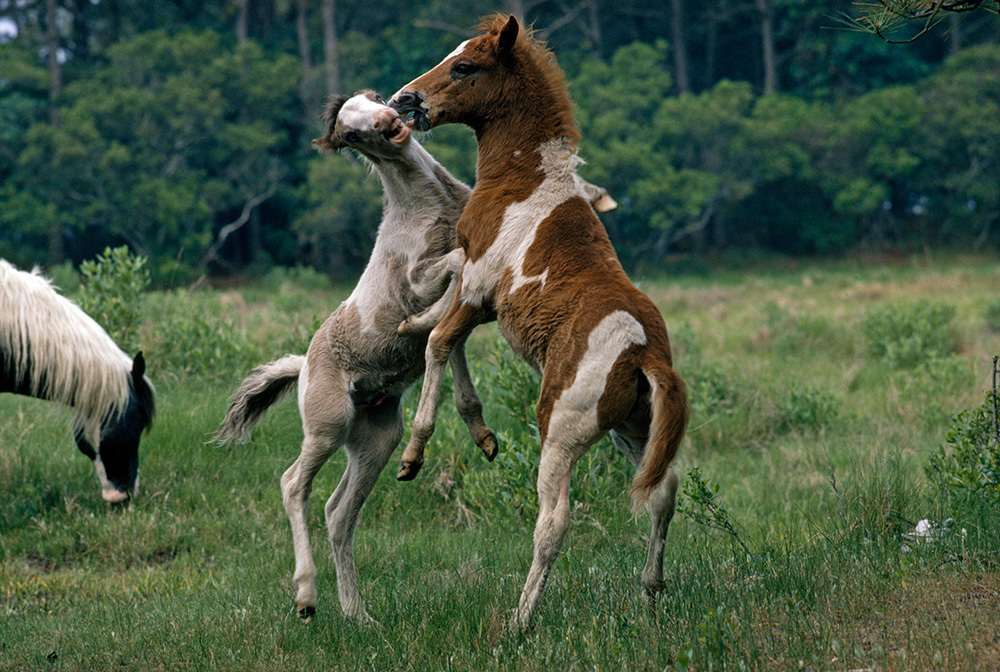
190, 339
991, 315
112, 293
969, 462
807, 409
906, 334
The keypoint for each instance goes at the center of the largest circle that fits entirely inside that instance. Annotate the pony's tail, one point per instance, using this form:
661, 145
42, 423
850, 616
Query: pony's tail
668, 401
258, 392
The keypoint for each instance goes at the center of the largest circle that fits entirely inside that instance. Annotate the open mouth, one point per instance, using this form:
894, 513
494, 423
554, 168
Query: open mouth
397, 132
417, 119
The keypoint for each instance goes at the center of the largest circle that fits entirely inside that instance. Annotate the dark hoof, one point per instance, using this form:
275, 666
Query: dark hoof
306, 613
489, 446
408, 471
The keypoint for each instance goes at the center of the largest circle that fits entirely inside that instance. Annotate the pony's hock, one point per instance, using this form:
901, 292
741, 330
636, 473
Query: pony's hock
539, 262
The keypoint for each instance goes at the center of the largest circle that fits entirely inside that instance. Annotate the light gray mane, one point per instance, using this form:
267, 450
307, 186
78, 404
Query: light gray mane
59, 352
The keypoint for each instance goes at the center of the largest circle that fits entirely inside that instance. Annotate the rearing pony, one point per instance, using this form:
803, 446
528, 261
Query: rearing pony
539, 260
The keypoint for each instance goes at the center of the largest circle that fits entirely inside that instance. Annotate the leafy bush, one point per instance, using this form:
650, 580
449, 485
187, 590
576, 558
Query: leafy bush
906, 334
807, 408
185, 336
112, 293
992, 316
932, 391
969, 462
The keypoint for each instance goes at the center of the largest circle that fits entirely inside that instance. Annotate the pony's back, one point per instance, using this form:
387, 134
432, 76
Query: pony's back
55, 351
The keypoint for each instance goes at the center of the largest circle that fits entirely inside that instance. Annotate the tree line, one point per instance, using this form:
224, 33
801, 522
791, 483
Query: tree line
182, 129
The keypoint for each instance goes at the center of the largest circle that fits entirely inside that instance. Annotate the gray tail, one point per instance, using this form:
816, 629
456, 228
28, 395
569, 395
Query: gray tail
263, 388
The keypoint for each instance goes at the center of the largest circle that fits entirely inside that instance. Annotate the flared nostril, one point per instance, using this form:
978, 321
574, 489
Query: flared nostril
405, 101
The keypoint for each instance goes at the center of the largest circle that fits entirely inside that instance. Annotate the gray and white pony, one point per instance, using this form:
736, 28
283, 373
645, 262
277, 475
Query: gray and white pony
371, 349
50, 349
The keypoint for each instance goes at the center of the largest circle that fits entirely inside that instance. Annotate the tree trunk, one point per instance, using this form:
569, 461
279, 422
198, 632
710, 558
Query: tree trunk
302, 33
331, 55
242, 21
766, 10
711, 47
954, 34
57, 245
595, 29
52, 58
681, 77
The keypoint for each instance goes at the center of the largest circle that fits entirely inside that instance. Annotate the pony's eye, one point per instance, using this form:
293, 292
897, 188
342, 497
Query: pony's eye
463, 69
352, 137
378, 99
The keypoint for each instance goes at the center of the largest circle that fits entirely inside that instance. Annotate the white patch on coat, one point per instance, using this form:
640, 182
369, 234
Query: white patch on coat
458, 50
109, 492
359, 113
574, 412
520, 226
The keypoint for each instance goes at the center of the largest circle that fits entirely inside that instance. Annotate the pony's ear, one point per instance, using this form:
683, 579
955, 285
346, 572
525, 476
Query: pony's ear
138, 366
507, 38
329, 140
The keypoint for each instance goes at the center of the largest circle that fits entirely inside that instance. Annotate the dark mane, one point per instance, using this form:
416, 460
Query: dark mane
333, 105
552, 78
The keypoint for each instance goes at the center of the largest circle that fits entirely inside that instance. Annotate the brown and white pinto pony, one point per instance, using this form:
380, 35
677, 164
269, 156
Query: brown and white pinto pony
359, 363
541, 263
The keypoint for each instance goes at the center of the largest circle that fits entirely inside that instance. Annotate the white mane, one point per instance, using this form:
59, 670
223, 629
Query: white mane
67, 356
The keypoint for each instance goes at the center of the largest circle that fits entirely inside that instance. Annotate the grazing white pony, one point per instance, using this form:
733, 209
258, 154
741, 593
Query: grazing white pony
50, 349
360, 361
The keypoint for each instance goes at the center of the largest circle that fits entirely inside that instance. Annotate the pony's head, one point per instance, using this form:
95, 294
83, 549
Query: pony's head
116, 459
364, 123
490, 78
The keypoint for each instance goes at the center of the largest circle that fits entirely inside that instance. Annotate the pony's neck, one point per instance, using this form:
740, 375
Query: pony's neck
410, 179
511, 141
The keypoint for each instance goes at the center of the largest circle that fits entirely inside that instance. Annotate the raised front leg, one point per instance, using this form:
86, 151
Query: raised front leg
456, 326
470, 408
426, 283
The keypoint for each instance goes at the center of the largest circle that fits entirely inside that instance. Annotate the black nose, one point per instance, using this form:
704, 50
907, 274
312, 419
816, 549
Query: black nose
408, 101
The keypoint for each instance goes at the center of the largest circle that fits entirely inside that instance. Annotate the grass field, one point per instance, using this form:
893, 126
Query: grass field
815, 436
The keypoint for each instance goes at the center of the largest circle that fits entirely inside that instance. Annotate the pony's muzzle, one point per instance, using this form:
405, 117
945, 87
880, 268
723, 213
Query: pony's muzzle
406, 102
114, 496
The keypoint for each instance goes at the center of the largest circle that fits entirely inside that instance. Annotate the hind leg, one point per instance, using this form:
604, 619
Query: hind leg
373, 437
326, 417
662, 503
558, 459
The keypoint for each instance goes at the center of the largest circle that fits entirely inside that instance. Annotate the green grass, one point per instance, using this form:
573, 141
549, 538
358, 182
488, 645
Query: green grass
817, 448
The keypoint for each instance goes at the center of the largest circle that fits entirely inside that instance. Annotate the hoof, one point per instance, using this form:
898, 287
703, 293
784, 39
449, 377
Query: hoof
489, 446
306, 613
408, 471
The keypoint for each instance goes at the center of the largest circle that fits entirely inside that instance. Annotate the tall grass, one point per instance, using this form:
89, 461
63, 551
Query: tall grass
814, 448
